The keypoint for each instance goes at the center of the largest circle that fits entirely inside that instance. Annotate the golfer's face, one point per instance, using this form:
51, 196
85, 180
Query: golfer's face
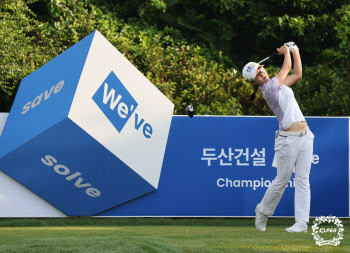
261, 76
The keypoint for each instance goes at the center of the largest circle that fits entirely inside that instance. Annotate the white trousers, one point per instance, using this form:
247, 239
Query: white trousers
291, 151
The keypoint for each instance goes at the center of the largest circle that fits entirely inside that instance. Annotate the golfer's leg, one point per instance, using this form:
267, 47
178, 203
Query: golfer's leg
302, 196
286, 157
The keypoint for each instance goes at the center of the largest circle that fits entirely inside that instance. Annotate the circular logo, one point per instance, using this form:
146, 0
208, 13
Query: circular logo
318, 231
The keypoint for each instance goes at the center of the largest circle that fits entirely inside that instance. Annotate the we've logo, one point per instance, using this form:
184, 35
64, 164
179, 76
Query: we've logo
115, 101
118, 105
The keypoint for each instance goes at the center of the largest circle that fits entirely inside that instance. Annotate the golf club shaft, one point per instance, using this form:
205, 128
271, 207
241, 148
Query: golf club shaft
217, 89
268, 57
232, 79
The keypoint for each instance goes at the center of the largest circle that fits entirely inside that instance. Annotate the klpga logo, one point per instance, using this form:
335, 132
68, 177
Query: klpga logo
118, 105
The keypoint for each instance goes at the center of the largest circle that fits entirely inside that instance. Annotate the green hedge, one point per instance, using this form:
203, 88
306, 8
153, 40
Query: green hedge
184, 68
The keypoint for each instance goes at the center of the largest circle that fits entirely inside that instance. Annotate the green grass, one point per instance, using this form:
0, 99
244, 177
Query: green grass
157, 235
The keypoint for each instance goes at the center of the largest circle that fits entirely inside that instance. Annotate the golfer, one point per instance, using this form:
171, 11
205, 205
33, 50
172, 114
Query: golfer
293, 142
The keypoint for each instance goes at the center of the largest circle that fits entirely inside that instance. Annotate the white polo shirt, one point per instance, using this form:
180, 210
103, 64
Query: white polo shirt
282, 103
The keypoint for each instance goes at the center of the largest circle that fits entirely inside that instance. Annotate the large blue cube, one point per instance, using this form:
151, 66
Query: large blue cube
87, 131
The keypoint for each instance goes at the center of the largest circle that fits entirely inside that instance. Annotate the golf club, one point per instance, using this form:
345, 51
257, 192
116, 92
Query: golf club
189, 108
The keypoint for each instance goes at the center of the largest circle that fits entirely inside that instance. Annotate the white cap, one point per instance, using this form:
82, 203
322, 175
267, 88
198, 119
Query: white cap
249, 71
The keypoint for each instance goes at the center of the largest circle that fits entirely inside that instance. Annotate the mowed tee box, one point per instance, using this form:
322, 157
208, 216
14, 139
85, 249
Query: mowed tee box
87, 131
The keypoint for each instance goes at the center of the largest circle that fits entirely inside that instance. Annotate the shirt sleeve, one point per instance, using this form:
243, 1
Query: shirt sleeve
272, 86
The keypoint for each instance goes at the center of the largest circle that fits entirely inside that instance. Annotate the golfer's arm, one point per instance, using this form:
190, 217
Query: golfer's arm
287, 65
297, 70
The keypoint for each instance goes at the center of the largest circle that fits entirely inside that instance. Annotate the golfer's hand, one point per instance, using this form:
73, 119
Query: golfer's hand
283, 50
292, 46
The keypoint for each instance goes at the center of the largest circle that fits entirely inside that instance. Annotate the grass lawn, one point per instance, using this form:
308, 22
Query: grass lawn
158, 235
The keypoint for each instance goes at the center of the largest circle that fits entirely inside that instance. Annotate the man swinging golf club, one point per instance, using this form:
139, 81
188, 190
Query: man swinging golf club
293, 141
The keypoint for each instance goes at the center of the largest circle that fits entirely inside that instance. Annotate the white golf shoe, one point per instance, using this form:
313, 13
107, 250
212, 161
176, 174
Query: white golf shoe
260, 219
298, 227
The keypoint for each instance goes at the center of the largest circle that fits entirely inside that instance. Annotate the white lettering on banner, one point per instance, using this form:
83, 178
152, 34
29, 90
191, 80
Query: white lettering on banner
64, 171
228, 183
246, 154
208, 156
240, 155
260, 159
222, 154
32, 104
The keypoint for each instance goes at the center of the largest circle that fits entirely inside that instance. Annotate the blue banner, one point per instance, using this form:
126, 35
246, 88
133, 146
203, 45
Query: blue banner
222, 166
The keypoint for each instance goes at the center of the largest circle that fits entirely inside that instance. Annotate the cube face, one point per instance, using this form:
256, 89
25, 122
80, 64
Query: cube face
44, 97
71, 173
104, 141
141, 142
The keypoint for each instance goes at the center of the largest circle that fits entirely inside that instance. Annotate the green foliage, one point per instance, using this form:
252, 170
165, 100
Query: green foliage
188, 48
324, 91
246, 29
19, 53
339, 54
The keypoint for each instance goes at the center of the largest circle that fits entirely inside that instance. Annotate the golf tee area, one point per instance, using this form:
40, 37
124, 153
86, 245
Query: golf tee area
87, 234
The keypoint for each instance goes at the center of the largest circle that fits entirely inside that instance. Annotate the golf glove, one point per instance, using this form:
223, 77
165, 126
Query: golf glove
291, 46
